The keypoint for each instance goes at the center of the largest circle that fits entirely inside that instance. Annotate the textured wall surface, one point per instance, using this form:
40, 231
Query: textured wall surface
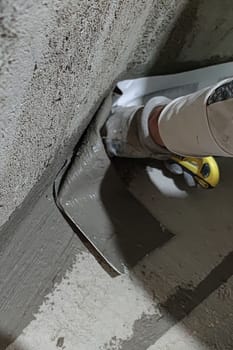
57, 60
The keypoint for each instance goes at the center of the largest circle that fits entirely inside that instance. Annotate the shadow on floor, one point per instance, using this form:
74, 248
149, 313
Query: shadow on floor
212, 215
6, 340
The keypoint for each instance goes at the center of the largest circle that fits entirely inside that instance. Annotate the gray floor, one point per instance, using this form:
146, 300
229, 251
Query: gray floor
43, 246
178, 297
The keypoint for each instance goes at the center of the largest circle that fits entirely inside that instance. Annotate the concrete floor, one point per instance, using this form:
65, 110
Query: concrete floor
179, 297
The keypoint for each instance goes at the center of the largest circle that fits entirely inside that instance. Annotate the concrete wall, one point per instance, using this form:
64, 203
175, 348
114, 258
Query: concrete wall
58, 59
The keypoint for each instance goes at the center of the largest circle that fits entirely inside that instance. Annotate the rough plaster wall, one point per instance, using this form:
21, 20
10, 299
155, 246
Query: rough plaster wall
210, 40
57, 60
202, 35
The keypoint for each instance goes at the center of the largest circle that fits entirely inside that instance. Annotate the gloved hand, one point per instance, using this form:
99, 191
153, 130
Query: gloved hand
126, 132
177, 169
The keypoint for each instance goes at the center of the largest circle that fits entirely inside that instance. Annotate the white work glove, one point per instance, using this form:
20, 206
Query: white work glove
177, 169
126, 132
